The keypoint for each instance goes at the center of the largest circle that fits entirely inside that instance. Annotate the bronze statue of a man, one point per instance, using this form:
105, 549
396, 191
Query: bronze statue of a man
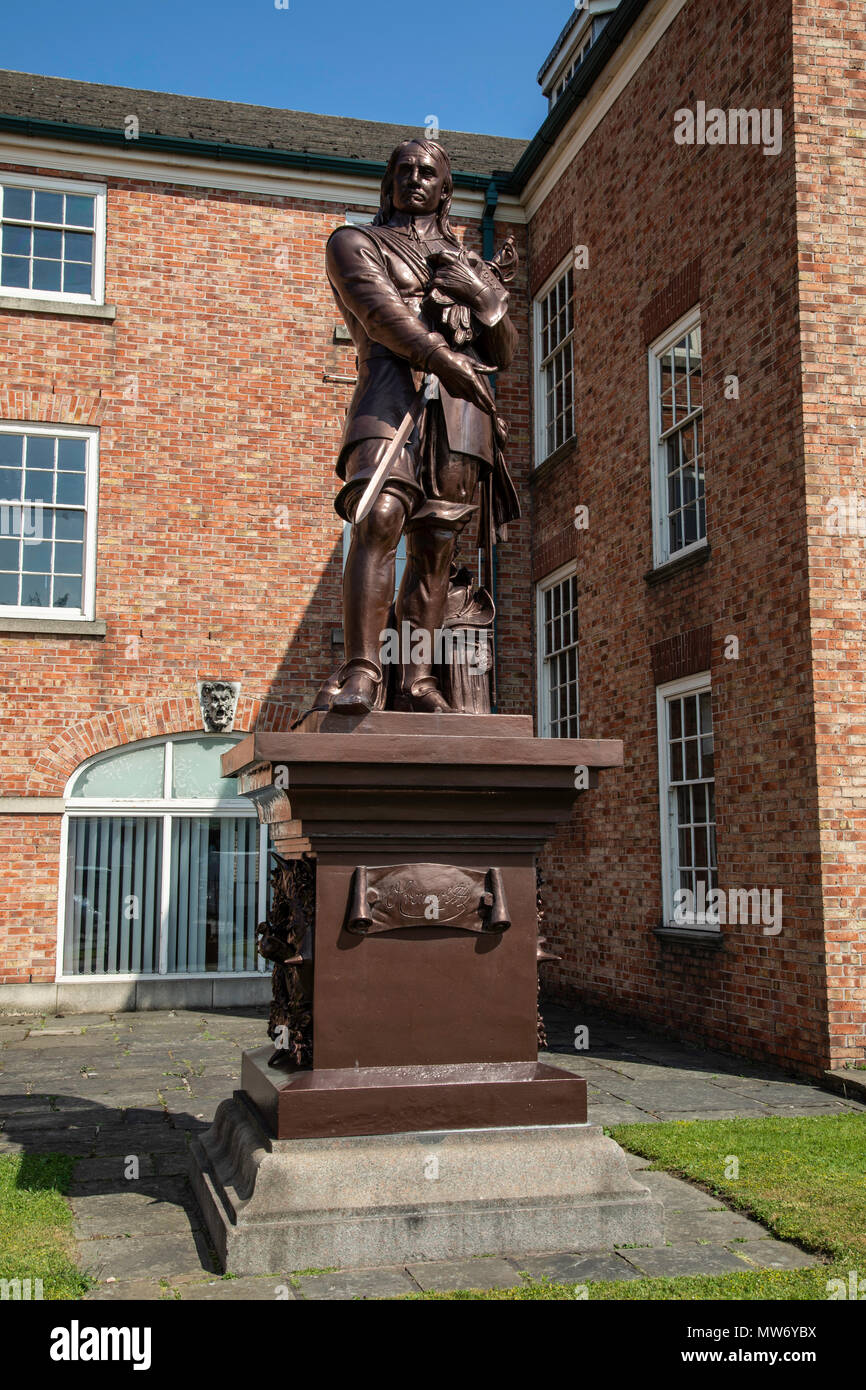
430, 322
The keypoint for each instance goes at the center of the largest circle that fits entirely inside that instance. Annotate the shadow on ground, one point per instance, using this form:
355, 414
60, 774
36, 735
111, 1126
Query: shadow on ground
126, 1093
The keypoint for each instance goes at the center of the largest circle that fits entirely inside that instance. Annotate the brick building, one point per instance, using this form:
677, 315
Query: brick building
685, 417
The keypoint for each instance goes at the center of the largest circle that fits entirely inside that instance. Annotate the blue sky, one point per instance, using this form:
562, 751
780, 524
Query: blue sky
471, 63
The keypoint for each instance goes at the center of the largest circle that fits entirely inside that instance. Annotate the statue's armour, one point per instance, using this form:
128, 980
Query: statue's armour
379, 292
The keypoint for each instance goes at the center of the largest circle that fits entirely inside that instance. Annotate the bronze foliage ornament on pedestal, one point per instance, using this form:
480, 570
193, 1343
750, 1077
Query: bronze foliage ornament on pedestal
284, 939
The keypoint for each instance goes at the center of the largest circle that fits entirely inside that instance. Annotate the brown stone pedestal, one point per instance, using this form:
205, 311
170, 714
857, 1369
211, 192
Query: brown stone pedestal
425, 1128
424, 1016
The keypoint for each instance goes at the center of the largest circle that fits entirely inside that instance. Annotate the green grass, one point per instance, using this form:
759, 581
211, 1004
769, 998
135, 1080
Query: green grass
803, 1178
790, 1284
36, 1239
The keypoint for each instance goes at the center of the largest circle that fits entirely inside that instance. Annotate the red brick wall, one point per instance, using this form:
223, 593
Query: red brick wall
219, 551
29, 852
830, 91
651, 211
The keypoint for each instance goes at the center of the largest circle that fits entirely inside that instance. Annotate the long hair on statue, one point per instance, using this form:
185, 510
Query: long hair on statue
435, 152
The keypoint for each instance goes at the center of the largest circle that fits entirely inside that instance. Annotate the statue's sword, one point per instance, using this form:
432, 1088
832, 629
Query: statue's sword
429, 391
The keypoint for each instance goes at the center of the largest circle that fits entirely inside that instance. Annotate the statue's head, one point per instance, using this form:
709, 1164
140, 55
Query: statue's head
418, 181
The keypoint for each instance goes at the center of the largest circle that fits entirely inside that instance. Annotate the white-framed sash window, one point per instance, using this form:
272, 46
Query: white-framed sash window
553, 345
687, 802
52, 238
677, 430
163, 867
49, 484
556, 626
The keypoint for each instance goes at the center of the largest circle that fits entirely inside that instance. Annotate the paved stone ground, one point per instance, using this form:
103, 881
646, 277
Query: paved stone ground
136, 1086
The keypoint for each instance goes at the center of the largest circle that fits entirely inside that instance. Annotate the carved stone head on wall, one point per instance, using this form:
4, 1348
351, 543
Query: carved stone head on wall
219, 700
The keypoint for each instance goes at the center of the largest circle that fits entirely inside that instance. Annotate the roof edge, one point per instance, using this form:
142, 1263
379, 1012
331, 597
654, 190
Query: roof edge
609, 39
211, 149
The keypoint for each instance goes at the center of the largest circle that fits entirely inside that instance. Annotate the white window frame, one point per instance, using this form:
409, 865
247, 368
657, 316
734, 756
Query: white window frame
88, 190
539, 389
168, 807
688, 685
89, 433
542, 673
658, 468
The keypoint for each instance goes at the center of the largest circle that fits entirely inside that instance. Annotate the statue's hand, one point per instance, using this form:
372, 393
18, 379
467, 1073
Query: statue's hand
462, 378
454, 278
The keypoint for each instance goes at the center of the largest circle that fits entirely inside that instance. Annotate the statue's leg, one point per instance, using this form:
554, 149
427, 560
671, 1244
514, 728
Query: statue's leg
431, 536
368, 585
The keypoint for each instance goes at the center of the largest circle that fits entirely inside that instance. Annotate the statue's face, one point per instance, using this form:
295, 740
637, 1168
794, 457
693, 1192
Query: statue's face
418, 183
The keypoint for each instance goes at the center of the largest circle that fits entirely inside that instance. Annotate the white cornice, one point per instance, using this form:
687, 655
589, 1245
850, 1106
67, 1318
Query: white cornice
644, 34
234, 175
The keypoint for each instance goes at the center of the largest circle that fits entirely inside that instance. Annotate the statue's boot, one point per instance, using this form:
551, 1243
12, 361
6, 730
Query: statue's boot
360, 689
431, 535
368, 590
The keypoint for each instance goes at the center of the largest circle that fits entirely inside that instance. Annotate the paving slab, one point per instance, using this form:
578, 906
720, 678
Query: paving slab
441, 1276
259, 1288
131, 1290
775, 1254
678, 1195
656, 1096
636, 1162
685, 1260
188, 1125
172, 1163
610, 1115
12, 1033
73, 1023
782, 1094
55, 1044
136, 1212
38, 1141
17, 1105
827, 1107
145, 1138
109, 1170
60, 1122
177, 1255
718, 1227
387, 1282
650, 1072
576, 1269
748, 1081
748, 1112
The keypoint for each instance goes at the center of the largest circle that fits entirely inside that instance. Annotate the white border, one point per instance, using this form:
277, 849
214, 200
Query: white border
94, 190
541, 681
90, 433
658, 492
687, 685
